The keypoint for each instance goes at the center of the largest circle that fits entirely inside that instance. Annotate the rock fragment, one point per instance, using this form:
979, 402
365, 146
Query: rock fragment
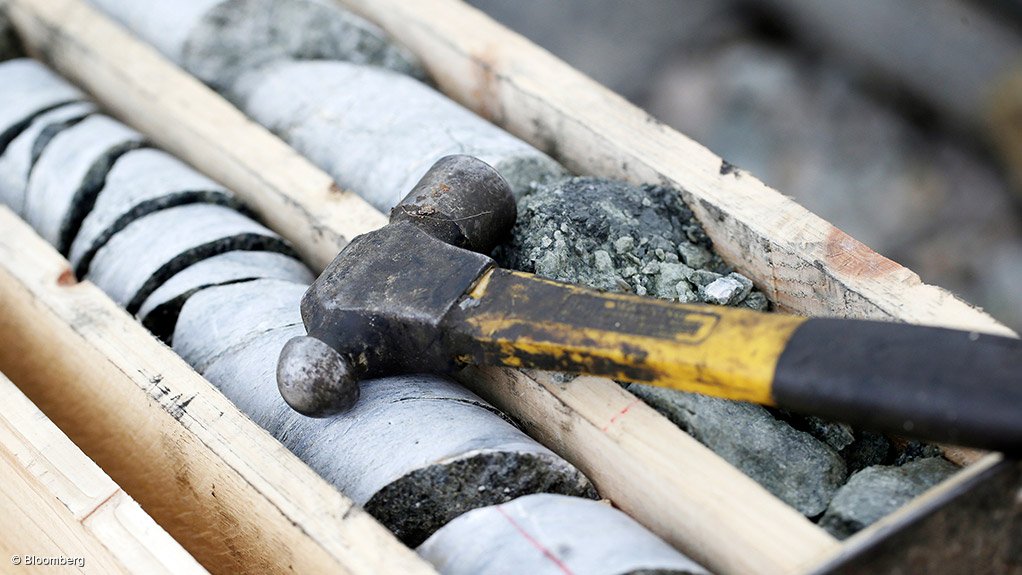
876, 491
912, 450
551, 534
756, 301
837, 435
617, 237
796, 467
868, 449
731, 289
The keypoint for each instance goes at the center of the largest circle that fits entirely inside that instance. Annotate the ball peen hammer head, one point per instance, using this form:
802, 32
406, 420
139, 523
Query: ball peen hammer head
376, 310
461, 201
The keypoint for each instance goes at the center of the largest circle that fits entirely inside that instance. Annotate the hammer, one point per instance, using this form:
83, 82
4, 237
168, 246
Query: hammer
421, 295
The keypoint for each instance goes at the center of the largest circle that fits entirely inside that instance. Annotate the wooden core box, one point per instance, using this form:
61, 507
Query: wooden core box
239, 502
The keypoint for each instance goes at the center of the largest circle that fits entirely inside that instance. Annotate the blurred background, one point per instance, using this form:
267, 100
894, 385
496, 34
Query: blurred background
900, 121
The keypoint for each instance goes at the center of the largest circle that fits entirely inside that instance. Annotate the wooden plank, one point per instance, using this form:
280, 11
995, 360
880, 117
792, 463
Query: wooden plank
220, 485
57, 503
802, 262
154, 96
218, 139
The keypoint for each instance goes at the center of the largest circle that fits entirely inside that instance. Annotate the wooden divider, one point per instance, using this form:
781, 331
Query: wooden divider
233, 496
645, 464
57, 505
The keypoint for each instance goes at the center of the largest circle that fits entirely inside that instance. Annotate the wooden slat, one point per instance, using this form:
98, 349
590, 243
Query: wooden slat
801, 261
220, 485
155, 97
57, 503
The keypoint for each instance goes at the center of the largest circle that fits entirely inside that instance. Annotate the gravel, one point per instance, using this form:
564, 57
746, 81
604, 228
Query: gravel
617, 237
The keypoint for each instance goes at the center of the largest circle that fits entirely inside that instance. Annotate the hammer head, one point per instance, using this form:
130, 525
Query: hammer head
376, 310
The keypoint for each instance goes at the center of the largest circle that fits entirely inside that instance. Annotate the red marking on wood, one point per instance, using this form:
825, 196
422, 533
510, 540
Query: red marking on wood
618, 415
67, 278
848, 255
535, 543
96, 508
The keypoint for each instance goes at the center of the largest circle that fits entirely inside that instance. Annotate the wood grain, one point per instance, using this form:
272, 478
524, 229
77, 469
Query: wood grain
228, 492
56, 502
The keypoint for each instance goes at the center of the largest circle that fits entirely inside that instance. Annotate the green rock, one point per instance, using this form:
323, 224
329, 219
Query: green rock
796, 467
876, 491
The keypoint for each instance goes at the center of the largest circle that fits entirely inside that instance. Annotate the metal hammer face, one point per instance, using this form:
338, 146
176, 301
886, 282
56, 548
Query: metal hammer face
376, 310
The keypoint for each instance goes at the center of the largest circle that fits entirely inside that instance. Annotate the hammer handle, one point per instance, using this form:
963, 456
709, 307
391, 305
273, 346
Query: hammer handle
932, 383
938, 384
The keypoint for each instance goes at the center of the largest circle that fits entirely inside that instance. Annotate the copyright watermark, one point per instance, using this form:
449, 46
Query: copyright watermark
48, 561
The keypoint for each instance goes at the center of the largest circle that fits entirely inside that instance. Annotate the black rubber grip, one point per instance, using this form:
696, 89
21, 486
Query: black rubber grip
935, 384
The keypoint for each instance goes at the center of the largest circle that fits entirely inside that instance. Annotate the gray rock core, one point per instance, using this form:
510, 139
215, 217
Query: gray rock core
151, 249
17, 160
139, 183
160, 310
377, 132
551, 535
29, 89
69, 173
